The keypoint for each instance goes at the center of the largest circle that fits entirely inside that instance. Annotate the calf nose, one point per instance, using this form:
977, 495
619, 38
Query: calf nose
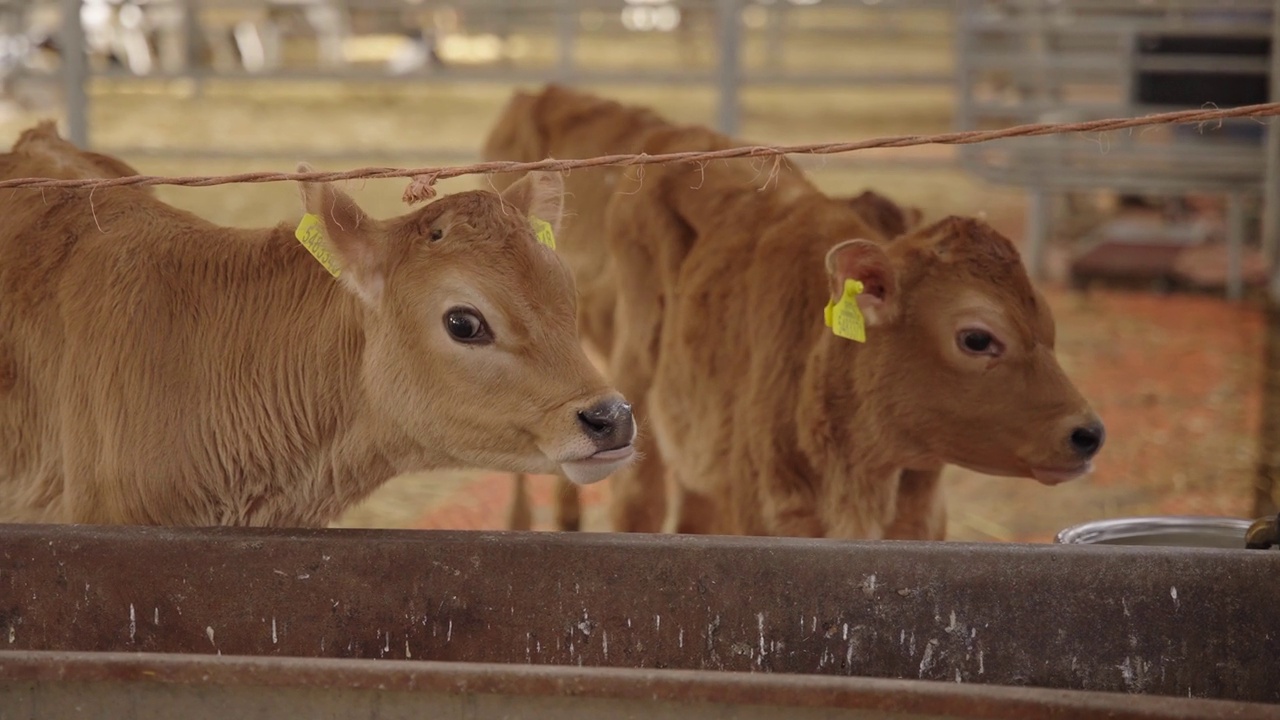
609, 424
1087, 440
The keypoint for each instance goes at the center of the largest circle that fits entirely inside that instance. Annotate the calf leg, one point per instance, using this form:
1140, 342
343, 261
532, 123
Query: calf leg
568, 506
692, 513
921, 512
520, 514
637, 495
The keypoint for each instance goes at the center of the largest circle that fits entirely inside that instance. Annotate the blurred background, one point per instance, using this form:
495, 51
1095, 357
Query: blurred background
1154, 246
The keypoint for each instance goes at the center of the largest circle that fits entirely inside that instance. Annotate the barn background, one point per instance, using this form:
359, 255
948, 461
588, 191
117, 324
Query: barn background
259, 85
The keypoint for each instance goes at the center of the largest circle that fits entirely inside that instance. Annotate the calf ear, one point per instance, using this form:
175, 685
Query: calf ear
353, 237
540, 194
866, 262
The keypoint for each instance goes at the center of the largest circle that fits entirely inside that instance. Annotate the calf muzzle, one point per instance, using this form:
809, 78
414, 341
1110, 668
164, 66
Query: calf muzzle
1086, 440
609, 424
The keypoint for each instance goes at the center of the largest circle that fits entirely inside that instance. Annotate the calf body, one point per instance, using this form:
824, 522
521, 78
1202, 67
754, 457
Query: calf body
156, 368
770, 424
562, 123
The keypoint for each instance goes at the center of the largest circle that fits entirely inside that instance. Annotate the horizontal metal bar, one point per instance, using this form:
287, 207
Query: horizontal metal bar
200, 686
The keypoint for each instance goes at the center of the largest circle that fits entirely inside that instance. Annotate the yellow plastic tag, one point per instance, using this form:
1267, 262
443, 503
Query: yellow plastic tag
311, 236
845, 317
542, 229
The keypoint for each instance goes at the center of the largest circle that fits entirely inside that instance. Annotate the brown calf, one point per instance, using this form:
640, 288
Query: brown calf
767, 422
562, 123
159, 369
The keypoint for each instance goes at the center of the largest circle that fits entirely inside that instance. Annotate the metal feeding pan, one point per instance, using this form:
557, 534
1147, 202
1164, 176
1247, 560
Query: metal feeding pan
195, 623
1169, 531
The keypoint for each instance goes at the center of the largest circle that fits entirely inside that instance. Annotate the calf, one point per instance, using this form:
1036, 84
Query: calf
562, 123
156, 368
766, 421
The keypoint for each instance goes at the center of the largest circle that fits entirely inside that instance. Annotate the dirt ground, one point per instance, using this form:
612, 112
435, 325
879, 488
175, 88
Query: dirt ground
1176, 378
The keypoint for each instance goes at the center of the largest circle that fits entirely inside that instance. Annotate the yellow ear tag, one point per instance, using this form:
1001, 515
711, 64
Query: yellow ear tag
845, 317
542, 229
312, 238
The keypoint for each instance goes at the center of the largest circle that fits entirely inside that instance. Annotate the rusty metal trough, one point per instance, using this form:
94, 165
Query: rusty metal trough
216, 623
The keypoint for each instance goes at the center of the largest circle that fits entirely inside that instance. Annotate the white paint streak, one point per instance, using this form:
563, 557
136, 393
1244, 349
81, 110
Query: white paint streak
449, 635
681, 638
927, 661
407, 654
760, 627
133, 623
275, 640
604, 640
208, 631
155, 618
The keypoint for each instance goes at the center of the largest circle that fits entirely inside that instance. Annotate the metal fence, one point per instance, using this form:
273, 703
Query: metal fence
1032, 61
186, 29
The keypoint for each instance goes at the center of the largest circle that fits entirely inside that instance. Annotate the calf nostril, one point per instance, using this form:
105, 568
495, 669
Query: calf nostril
596, 422
610, 424
1088, 439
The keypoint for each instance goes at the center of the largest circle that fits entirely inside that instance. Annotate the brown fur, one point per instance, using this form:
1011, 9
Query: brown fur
156, 368
767, 422
561, 123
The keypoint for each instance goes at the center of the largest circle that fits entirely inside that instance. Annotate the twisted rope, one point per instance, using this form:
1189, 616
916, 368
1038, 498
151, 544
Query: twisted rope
424, 179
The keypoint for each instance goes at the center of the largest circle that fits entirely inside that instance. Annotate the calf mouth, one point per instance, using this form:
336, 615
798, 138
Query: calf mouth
1048, 476
1057, 476
599, 465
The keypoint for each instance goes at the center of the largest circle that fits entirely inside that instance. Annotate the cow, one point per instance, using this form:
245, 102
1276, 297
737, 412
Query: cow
156, 368
564, 123
768, 422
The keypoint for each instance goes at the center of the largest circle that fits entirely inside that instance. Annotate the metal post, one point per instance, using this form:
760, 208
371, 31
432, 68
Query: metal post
729, 112
75, 72
1266, 483
1037, 230
1235, 246
193, 40
566, 39
1271, 186
776, 31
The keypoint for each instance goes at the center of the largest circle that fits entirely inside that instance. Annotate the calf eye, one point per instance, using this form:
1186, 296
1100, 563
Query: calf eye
467, 326
436, 234
978, 342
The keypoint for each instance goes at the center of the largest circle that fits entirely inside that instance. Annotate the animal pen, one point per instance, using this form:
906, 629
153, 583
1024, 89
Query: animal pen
355, 623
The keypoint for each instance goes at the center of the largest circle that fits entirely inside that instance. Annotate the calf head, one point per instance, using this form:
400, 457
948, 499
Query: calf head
471, 348
959, 361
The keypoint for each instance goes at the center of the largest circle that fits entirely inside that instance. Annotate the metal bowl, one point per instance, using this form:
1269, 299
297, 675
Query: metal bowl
1168, 531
